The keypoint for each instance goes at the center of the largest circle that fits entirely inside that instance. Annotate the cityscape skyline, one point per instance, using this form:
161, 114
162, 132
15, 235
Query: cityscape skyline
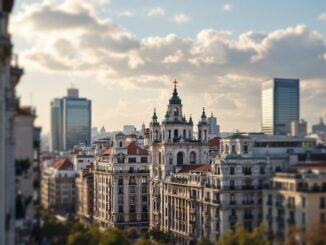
220, 62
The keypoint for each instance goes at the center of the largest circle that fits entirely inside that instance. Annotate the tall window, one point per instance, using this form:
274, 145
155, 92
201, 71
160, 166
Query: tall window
176, 134
120, 144
193, 157
184, 134
180, 158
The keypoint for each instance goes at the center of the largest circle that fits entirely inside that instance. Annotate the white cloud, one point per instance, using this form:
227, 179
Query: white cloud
173, 58
322, 17
220, 69
126, 13
228, 7
158, 11
181, 18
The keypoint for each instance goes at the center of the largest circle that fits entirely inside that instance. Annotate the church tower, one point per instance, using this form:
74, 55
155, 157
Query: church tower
171, 148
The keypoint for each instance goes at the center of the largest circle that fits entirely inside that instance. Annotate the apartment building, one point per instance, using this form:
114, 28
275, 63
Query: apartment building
85, 193
58, 187
121, 191
297, 198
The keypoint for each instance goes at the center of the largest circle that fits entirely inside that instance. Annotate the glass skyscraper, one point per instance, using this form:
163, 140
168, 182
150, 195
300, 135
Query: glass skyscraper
70, 121
280, 105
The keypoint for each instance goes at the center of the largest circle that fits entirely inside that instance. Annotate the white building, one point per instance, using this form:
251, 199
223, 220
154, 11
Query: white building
172, 146
299, 128
10, 76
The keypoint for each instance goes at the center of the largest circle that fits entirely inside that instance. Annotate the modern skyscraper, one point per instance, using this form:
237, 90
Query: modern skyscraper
213, 128
280, 105
70, 121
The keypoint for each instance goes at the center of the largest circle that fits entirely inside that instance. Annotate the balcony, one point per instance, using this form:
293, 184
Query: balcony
248, 202
207, 199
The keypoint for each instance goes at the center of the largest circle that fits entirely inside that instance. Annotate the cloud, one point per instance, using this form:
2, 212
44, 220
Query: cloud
158, 11
181, 18
216, 67
322, 17
227, 7
126, 13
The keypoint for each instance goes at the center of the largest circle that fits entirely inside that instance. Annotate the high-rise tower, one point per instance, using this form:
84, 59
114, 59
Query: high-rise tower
280, 105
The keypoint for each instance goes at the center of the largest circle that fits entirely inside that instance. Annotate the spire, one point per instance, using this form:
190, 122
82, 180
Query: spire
203, 115
190, 121
154, 117
175, 98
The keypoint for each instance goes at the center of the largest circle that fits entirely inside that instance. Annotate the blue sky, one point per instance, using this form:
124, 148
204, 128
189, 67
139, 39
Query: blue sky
119, 52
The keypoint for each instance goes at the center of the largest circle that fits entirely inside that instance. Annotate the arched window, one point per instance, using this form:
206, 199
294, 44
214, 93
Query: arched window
180, 158
169, 134
176, 134
184, 134
155, 135
192, 157
120, 144
234, 150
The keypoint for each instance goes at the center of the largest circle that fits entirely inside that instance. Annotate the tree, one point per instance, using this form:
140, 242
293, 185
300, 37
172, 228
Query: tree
242, 237
113, 236
204, 241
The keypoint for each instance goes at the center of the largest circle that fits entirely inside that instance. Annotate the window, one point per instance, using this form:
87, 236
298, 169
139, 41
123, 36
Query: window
176, 133
120, 190
144, 209
303, 218
246, 170
245, 148
120, 199
120, 181
120, 144
169, 134
144, 180
132, 209
132, 180
132, 160
322, 202
132, 199
143, 159
322, 218
193, 157
144, 189
180, 158
303, 202
132, 189
120, 209
80, 161
159, 157
234, 151
184, 134
231, 170
262, 170
144, 198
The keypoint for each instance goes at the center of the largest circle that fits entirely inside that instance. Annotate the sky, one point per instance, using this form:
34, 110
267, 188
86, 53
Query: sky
124, 55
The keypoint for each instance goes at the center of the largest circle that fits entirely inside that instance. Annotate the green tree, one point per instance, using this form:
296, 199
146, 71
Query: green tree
113, 236
242, 237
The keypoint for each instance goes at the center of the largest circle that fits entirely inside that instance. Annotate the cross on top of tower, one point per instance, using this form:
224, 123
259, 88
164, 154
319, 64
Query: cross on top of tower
175, 82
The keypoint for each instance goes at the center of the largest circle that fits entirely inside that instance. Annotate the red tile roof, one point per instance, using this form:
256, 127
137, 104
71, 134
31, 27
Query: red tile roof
214, 143
134, 149
196, 168
107, 152
63, 164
